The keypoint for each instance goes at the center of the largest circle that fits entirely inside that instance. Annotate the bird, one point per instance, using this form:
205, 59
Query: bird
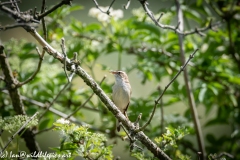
121, 92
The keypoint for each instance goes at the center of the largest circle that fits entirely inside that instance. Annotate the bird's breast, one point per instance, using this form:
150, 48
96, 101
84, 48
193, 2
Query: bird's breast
121, 96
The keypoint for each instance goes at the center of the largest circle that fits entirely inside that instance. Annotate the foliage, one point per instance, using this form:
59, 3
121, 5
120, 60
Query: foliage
80, 142
13, 124
154, 58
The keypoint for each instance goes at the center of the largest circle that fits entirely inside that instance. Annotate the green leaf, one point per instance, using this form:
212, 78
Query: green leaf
234, 101
147, 26
93, 27
199, 2
211, 138
45, 123
235, 80
202, 94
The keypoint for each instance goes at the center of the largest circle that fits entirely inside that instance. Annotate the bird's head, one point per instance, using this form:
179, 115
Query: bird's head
120, 75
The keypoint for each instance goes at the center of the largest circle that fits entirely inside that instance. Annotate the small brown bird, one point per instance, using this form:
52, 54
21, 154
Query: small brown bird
121, 92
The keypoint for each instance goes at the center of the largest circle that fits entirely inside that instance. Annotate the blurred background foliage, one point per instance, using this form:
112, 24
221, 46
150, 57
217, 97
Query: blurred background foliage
152, 56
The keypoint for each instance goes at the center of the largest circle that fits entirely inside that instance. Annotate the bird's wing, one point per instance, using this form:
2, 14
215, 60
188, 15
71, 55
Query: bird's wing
125, 111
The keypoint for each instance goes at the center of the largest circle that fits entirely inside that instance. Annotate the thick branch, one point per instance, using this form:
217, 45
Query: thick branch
16, 99
103, 97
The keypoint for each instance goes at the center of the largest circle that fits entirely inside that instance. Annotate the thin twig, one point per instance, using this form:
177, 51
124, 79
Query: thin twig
18, 16
136, 123
173, 28
43, 19
129, 137
65, 58
6, 3
20, 129
53, 110
108, 11
4, 28
63, 2
74, 112
132, 139
43, 6
190, 96
35, 73
15, 4
44, 130
166, 87
128, 4
161, 113
161, 14
53, 101
220, 155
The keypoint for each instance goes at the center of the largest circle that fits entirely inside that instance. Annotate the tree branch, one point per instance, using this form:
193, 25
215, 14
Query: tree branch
98, 7
53, 101
166, 87
74, 112
176, 29
19, 130
191, 101
100, 93
20, 17
16, 99
35, 73
4, 28
63, 2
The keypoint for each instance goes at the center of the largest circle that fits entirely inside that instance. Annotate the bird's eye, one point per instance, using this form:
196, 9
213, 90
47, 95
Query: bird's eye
119, 73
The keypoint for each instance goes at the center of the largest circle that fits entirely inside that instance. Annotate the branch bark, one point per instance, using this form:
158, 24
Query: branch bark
191, 101
17, 103
100, 93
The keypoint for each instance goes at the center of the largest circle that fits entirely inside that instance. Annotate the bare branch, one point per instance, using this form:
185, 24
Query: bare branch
189, 91
16, 99
166, 87
85, 101
220, 155
160, 16
103, 97
46, 46
128, 4
44, 14
35, 73
4, 28
53, 101
6, 3
175, 29
53, 110
15, 5
20, 17
43, 6
98, 7
161, 112
65, 58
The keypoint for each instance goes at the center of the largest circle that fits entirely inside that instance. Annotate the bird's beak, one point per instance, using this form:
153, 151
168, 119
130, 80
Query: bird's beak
113, 72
